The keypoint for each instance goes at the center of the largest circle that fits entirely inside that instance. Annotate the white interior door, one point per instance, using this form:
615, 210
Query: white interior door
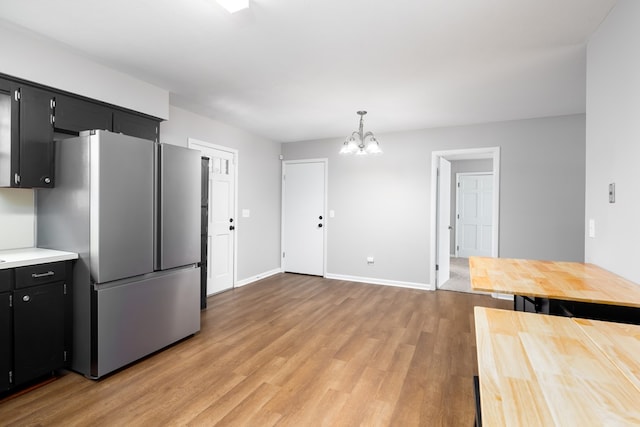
222, 221
475, 215
303, 217
443, 221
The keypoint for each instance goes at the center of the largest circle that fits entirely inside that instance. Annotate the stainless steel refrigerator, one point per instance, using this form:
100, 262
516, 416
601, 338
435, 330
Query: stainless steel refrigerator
130, 208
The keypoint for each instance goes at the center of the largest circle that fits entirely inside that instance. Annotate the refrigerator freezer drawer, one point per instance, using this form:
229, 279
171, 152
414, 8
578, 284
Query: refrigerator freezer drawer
140, 317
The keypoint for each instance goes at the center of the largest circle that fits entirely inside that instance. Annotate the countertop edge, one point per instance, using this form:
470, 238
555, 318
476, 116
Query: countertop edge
32, 256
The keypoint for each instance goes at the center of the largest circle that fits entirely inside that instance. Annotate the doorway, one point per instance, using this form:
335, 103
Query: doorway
221, 236
304, 195
440, 193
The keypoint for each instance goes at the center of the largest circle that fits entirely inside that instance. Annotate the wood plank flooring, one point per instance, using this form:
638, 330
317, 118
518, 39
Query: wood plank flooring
289, 350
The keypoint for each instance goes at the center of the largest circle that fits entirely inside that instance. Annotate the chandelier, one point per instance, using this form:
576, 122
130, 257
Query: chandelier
360, 143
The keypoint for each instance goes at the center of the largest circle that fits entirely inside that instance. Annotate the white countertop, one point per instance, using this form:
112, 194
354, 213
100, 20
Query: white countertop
12, 258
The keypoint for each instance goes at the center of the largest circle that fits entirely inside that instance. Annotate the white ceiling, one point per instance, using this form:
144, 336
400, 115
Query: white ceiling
293, 70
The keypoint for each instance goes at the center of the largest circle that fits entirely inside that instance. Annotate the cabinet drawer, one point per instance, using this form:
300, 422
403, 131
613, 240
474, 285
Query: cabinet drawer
39, 274
6, 280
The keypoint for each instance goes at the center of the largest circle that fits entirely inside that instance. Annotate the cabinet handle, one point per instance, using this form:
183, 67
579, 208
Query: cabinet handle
48, 273
26, 298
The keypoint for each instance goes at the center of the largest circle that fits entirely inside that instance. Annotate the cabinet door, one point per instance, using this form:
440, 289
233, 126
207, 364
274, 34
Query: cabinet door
75, 115
38, 322
6, 347
134, 125
6, 118
35, 136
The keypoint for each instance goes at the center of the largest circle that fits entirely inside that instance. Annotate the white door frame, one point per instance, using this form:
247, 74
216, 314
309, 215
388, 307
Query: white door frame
463, 154
325, 162
195, 143
457, 214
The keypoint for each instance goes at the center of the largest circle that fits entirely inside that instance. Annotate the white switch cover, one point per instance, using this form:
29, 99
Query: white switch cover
246, 213
592, 228
332, 213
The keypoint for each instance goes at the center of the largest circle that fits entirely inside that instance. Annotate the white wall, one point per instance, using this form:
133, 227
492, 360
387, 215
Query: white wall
382, 203
258, 186
613, 141
30, 57
17, 222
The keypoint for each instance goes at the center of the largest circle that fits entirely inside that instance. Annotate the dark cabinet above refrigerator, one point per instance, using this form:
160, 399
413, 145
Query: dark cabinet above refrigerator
75, 115
134, 125
32, 116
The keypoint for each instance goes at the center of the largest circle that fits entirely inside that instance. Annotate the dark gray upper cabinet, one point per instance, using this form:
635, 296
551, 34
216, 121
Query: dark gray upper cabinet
75, 114
135, 125
26, 136
6, 123
29, 116
35, 166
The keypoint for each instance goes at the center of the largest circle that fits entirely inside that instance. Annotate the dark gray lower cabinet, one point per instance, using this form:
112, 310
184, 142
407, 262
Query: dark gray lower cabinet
35, 333
38, 319
6, 348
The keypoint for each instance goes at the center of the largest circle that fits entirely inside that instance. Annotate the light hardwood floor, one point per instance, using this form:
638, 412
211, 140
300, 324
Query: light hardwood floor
289, 350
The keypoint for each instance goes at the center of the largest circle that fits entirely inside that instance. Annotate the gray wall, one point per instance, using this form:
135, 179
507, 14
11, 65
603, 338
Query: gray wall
613, 135
258, 186
461, 166
382, 203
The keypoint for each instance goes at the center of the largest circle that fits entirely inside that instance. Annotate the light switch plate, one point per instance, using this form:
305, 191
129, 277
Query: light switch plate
612, 192
592, 228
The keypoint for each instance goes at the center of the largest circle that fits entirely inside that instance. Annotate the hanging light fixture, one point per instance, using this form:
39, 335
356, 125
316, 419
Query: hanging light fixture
360, 143
233, 6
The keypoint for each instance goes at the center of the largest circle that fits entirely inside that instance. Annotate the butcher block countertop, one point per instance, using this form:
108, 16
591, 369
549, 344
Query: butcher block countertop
12, 258
542, 370
570, 281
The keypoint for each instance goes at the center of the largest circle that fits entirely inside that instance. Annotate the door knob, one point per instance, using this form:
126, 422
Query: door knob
231, 228
320, 225
320, 217
26, 298
230, 219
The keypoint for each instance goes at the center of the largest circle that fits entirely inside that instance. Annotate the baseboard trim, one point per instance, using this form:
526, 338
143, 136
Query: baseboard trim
384, 282
257, 277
